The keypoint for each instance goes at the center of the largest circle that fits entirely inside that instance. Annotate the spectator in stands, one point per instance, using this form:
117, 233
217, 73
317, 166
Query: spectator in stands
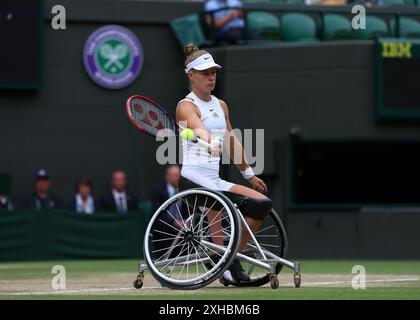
118, 199
170, 187
42, 198
229, 23
326, 2
83, 201
6, 204
366, 3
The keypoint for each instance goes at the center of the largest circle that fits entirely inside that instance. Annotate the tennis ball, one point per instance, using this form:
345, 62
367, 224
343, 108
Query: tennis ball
187, 134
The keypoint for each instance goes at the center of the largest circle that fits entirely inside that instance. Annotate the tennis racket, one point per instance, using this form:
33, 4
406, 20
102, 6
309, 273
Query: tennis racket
151, 119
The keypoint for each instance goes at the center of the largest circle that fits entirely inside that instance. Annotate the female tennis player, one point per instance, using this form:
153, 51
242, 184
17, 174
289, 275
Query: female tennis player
208, 117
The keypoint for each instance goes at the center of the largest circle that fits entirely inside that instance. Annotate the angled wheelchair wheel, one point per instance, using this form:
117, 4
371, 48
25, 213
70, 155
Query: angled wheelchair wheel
191, 239
272, 237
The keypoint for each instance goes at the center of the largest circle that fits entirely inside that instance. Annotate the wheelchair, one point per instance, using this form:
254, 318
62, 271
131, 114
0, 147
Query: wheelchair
194, 236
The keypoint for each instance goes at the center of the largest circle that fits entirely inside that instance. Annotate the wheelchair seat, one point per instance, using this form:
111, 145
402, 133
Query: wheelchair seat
250, 207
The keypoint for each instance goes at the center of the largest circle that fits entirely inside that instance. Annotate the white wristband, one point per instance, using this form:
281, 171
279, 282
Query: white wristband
248, 173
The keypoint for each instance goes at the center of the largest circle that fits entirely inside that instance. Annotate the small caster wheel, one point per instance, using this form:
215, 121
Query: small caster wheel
274, 282
138, 283
224, 281
297, 280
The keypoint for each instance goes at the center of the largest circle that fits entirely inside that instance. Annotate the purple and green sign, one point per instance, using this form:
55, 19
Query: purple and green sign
113, 57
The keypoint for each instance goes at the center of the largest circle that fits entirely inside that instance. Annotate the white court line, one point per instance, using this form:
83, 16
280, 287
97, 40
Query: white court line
349, 282
146, 288
73, 291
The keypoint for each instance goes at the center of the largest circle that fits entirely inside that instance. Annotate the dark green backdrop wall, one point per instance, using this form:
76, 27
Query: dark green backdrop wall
60, 234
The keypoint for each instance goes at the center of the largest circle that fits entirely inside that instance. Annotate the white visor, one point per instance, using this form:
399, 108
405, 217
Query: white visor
203, 62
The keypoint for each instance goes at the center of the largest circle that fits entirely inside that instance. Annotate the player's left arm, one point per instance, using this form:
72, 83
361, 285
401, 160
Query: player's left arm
236, 150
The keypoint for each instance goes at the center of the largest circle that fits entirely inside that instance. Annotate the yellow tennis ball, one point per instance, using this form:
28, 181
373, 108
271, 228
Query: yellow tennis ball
187, 134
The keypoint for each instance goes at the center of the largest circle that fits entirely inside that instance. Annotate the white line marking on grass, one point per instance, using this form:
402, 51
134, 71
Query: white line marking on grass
74, 291
349, 281
326, 283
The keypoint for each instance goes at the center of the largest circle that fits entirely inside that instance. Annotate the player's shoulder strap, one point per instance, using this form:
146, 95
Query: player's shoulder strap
189, 99
220, 104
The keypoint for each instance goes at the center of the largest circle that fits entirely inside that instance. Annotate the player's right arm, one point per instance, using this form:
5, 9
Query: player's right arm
188, 116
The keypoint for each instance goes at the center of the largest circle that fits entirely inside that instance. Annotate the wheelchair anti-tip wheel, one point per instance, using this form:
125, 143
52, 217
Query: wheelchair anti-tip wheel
192, 239
272, 237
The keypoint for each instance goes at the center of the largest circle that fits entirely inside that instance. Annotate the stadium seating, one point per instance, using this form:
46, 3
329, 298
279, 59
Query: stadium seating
298, 27
375, 27
254, 1
409, 28
394, 2
336, 27
188, 29
266, 24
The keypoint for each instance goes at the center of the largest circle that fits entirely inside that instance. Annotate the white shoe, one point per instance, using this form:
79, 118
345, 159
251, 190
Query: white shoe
228, 276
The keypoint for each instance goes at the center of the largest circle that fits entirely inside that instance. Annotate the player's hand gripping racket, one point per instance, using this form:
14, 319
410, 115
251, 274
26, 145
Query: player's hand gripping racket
148, 117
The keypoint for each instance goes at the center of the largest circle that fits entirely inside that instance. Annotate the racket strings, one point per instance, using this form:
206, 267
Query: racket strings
138, 117
158, 122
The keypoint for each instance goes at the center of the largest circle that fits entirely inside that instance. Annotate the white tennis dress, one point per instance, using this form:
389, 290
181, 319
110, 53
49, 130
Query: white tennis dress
198, 165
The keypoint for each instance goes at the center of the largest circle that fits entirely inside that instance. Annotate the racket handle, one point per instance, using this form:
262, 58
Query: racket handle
207, 146
201, 142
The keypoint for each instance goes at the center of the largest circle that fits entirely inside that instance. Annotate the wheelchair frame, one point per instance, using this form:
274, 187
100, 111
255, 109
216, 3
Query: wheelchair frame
268, 262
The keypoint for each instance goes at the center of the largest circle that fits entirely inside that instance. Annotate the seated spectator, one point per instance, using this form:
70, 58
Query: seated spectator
118, 199
6, 204
366, 3
326, 2
42, 198
167, 189
229, 23
83, 201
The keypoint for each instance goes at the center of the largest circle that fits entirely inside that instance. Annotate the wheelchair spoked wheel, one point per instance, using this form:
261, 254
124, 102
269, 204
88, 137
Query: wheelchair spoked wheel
272, 237
191, 239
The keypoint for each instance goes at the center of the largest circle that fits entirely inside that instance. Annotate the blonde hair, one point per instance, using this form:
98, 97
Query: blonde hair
192, 52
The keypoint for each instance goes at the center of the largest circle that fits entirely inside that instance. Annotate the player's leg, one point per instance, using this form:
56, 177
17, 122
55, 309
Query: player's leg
237, 273
214, 218
253, 224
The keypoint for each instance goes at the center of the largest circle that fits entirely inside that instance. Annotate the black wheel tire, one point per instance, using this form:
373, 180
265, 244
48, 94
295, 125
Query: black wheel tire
231, 256
138, 284
266, 279
224, 282
297, 281
274, 283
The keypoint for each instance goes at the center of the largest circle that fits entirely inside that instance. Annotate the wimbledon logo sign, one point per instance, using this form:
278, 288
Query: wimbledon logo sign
113, 57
